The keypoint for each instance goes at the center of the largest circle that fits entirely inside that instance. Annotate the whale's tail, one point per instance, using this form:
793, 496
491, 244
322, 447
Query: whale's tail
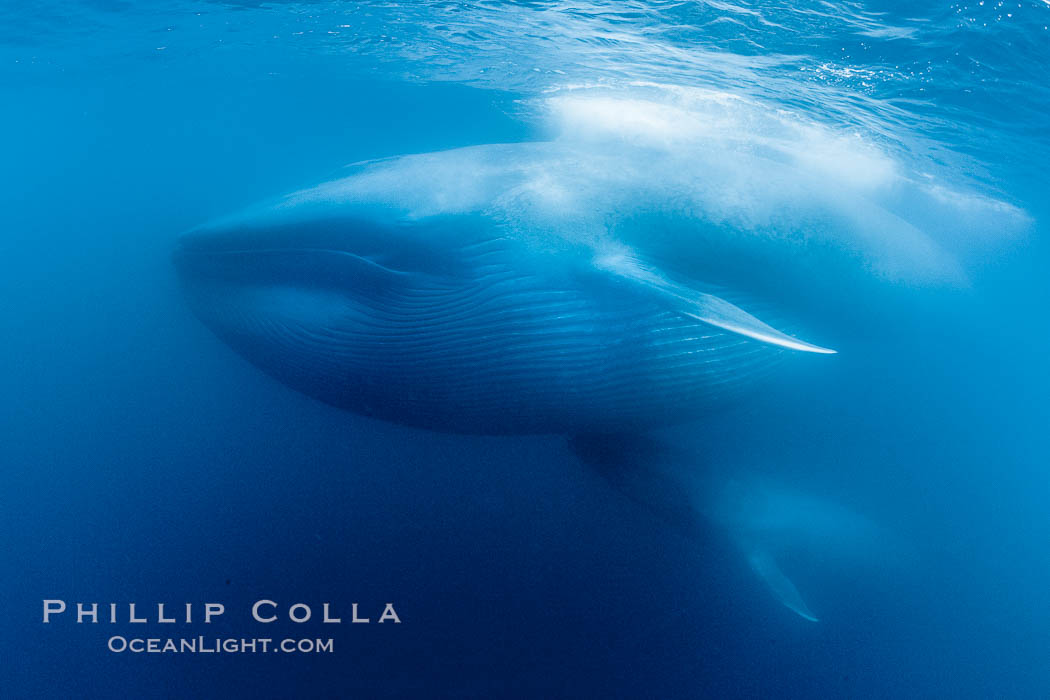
762, 520
782, 588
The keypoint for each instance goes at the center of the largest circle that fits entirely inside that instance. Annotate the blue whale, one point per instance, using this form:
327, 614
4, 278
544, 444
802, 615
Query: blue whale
653, 260
595, 287
487, 296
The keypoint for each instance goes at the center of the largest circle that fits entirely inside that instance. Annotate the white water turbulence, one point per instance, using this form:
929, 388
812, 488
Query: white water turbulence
751, 176
661, 255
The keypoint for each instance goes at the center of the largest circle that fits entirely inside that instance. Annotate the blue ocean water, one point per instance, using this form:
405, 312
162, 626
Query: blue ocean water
143, 461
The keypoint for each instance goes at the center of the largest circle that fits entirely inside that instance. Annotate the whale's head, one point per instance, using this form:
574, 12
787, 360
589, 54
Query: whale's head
311, 292
330, 249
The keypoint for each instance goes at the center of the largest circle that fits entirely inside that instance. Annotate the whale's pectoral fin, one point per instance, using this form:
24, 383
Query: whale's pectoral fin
763, 564
721, 314
701, 306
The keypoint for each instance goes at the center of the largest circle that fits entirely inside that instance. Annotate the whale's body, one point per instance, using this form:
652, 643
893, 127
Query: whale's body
484, 290
592, 288
570, 286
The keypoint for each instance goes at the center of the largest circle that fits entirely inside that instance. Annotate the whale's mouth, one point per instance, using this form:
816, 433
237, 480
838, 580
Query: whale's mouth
268, 230
242, 252
346, 252
292, 266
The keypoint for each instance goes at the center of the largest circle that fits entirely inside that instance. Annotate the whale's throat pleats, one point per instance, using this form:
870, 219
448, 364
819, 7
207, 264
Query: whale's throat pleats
497, 351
